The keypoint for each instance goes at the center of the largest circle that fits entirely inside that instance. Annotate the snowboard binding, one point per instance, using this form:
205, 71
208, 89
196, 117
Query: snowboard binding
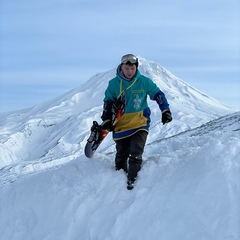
95, 132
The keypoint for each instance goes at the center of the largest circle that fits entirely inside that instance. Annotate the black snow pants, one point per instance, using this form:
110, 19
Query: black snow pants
130, 148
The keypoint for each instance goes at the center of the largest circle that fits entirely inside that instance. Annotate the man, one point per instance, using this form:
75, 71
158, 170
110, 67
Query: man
130, 132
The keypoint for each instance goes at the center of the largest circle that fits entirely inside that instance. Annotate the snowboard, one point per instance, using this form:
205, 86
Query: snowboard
98, 133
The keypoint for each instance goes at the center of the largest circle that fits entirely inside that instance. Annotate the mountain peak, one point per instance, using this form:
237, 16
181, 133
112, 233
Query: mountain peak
63, 123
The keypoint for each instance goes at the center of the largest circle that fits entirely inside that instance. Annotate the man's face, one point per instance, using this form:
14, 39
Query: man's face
129, 70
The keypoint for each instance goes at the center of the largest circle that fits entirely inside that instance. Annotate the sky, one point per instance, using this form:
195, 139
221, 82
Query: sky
49, 47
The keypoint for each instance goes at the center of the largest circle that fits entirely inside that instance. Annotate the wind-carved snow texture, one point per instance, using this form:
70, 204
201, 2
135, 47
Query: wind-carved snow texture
188, 187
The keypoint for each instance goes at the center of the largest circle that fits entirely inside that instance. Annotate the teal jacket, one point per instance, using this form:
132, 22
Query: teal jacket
137, 113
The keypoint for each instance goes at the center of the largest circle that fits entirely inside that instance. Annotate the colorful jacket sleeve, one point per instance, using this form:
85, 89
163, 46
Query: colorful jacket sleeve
161, 101
156, 94
112, 91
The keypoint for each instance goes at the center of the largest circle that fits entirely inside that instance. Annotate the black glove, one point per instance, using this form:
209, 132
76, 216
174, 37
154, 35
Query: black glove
107, 125
107, 110
166, 117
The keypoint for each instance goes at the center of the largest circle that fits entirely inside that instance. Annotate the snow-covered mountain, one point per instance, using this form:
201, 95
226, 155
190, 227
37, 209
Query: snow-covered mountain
188, 188
59, 127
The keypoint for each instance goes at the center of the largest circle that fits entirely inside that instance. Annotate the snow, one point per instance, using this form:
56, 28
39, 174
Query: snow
188, 187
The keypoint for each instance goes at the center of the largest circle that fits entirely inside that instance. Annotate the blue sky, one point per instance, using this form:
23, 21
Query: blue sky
49, 47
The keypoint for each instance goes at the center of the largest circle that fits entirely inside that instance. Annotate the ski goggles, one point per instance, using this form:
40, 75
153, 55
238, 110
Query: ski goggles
129, 58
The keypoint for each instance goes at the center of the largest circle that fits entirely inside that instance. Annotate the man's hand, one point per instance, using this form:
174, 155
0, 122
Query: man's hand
108, 125
166, 117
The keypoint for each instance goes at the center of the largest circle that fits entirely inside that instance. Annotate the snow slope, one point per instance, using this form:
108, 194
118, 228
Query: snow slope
188, 187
